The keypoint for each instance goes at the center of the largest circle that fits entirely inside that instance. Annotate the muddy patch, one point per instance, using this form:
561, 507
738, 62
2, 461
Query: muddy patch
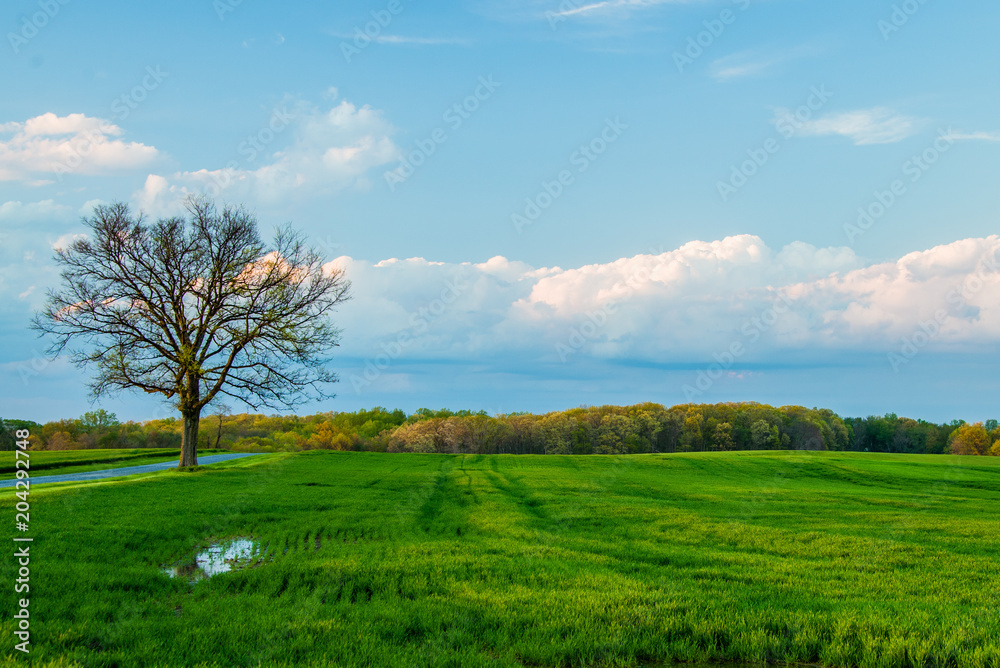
221, 557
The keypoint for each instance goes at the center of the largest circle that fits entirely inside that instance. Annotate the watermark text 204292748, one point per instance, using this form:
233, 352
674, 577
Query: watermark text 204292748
22, 584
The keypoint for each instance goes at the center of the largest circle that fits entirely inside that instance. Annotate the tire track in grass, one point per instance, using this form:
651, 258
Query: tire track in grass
518, 493
443, 511
468, 482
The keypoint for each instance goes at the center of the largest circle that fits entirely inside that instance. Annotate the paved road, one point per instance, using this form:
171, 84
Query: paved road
126, 470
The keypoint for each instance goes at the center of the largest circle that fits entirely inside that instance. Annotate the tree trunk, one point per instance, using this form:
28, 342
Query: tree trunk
189, 439
218, 435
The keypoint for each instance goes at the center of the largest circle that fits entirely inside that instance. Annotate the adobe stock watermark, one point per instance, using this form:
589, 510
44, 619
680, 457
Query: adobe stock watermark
364, 35
929, 330
223, 7
787, 122
589, 329
121, 108
23, 552
750, 332
34, 367
330, 247
454, 117
585, 331
566, 9
419, 323
127, 102
254, 144
581, 159
698, 43
35, 23
914, 169
900, 16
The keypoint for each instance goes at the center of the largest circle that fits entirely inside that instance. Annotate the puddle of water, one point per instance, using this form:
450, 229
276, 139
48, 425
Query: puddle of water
220, 557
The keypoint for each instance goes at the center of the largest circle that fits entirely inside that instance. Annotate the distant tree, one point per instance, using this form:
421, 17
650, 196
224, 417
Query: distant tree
486, 435
421, 436
881, 432
722, 439
691, 439
613, 434
557, 433
491, 435
60, 441
220, 412
647, 428
456, 435
763, 435
671, 426
98, 420
194, 308
7, 440
970, 439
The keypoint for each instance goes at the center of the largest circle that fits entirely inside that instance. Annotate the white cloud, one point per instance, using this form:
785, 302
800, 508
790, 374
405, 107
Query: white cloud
328, 151
34, 212
684, 304
408, 40
66, 240
973, 136
609, 6
73, 144
87, 208
864, 126
755, 62
955, 285
421, 41
724, 70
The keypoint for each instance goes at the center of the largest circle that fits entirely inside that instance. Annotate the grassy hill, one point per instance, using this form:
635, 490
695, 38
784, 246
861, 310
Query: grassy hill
463, 560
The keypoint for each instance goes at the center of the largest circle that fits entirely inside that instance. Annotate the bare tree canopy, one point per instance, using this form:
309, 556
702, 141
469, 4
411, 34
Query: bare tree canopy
196, 308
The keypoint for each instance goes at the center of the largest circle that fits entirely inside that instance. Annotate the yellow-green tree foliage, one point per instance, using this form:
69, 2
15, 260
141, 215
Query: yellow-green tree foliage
970, 439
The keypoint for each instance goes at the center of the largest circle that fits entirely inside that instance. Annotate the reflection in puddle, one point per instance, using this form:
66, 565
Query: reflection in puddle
220, 557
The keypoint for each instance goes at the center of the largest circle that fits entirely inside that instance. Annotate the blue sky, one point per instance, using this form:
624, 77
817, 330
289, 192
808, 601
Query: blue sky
673, 170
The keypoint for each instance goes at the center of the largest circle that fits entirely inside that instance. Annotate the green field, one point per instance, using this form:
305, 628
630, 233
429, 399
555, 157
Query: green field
459, 560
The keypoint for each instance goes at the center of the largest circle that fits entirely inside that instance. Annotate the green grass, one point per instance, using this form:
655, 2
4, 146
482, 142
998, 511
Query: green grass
79, 461
438, 560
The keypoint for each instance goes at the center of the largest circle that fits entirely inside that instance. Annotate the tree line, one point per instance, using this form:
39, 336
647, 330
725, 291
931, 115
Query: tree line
641, 428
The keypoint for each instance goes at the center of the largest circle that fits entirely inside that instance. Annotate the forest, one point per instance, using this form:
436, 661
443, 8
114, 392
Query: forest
641, 428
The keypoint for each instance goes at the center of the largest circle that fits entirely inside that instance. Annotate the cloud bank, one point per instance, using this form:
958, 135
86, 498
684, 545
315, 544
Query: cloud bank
795, 324
687, 304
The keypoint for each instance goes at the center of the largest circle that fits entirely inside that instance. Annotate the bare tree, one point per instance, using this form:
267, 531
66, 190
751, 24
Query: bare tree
221, 411
196, 308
